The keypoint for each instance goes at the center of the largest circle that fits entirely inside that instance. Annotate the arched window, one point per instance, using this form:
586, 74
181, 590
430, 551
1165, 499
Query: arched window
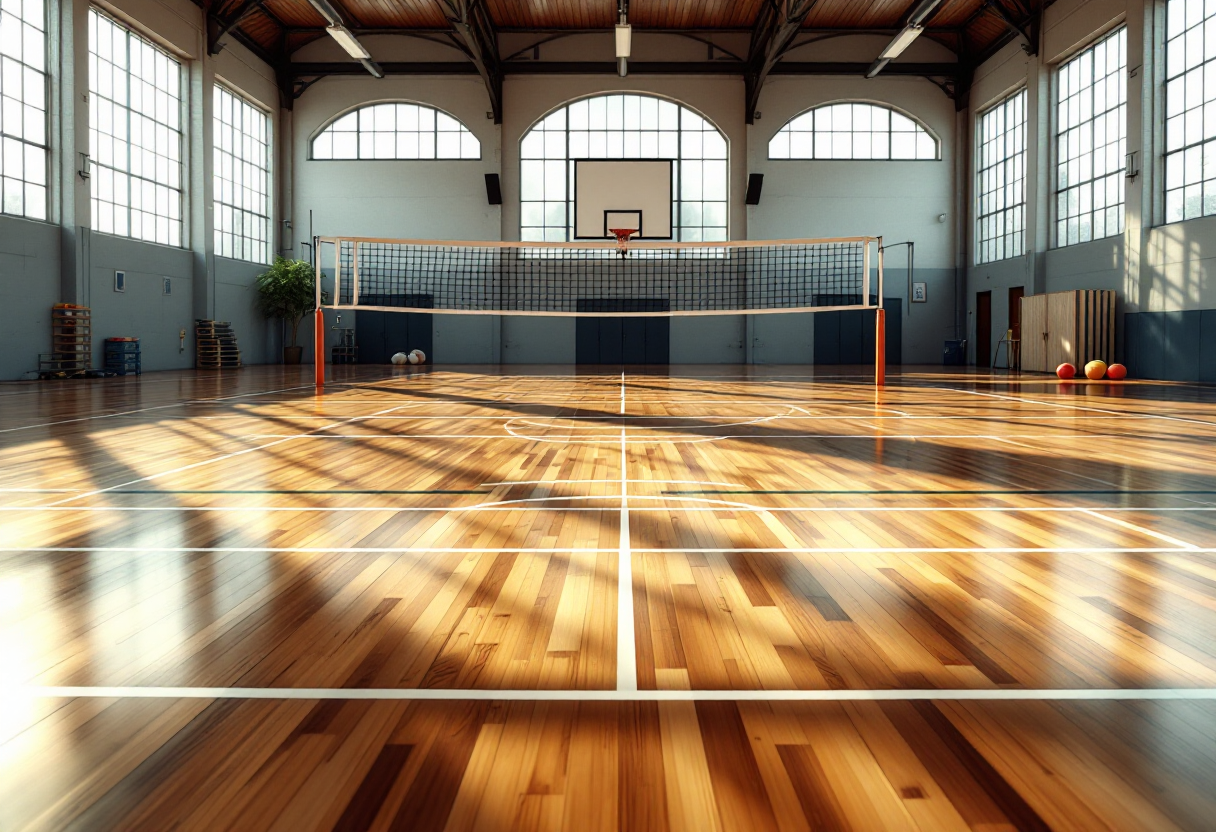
853, 130
625, 126
396, 131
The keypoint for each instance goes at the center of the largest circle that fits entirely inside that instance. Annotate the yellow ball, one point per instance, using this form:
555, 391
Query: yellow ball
1095, 370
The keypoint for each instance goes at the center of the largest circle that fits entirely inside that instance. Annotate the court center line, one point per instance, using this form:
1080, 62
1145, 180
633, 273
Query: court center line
515, 695
626, 645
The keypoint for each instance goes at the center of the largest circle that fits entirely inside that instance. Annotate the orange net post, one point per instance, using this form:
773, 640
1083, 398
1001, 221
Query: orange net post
880, 347
319, 347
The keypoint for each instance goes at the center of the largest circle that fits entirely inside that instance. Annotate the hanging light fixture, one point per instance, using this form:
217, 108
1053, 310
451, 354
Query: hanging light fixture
624, 40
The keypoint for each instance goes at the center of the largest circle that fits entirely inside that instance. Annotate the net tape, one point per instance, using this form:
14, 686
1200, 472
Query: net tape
565, 279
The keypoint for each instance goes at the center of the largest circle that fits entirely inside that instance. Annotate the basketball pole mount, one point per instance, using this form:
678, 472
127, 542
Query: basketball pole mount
318, 335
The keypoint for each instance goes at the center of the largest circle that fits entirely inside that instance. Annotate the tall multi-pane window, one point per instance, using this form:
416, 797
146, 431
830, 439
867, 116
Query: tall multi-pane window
23, 149
1190, 110
396, 131
135, 134
1091, 142
852, 130
623, 127
1000, 180
242, 178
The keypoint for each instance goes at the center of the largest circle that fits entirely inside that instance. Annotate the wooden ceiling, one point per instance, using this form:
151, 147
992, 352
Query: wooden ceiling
278, 27
771, 29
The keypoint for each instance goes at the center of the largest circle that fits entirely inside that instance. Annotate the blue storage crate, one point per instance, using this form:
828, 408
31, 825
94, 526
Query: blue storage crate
123, 358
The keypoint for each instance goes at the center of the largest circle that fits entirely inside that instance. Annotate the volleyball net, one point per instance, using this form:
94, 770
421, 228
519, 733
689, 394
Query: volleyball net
597, 279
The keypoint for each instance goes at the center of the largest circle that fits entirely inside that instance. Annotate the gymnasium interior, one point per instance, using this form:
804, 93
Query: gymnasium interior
490, 415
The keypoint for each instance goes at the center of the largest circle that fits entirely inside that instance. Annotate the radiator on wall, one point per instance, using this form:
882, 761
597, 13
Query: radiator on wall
1074, 327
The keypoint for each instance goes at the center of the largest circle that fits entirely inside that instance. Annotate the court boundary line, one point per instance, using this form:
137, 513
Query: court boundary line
527, 504
600, 695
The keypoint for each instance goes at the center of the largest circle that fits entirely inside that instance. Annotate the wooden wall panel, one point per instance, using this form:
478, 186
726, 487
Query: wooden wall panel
1034, 332
1061, 328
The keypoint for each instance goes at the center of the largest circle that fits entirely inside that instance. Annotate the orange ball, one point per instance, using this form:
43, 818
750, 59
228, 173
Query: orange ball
1117, 372
1066, 370
1094, 370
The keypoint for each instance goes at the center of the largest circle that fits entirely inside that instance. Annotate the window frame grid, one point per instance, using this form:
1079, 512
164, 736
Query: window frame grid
182, 221
681, 231
1203, 148
23, 144
1000, 240
1117, 175
434, 131
918, 126
221, 89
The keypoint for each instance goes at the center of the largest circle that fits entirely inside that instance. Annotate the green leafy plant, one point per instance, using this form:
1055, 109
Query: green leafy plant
287, 290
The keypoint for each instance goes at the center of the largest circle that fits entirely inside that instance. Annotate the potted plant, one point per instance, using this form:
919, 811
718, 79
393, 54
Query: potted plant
287, 291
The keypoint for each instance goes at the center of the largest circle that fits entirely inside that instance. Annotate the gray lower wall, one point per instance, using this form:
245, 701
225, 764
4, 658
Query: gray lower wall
143, 311
29, 287
1176, 346
235, 301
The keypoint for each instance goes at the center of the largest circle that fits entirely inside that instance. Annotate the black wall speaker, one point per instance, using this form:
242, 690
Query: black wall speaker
493, 189
755, 181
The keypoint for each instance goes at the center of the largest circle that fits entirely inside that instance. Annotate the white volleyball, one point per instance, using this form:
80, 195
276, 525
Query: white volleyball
413, 358
400, 358
420, 355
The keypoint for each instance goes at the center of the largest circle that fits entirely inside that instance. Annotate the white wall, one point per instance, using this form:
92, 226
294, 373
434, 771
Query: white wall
1154, 267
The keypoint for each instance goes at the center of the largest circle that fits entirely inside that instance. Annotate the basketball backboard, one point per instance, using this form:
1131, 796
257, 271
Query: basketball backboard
622, 193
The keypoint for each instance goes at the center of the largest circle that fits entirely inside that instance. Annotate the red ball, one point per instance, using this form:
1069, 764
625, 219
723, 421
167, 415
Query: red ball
1066, 370
1116, 371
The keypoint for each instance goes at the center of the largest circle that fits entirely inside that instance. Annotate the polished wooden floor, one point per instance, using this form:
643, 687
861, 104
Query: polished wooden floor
962, 602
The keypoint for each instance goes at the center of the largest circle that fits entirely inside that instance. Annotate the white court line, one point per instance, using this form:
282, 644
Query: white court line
525, 503
147, 409
1141, 529
565, 482
626, 646
676, 431
182, 468
482, 695
622, 391
963, 550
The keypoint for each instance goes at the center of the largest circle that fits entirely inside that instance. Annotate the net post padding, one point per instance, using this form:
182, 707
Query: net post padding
591, 279
880, 329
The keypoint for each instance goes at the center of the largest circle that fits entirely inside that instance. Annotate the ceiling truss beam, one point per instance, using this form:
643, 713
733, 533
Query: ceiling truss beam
777, 24
218, 26
473, 31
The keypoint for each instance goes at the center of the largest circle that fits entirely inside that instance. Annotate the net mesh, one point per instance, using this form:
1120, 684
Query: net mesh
570, 279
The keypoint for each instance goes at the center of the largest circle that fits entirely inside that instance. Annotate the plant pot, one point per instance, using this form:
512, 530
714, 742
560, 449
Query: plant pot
292, 355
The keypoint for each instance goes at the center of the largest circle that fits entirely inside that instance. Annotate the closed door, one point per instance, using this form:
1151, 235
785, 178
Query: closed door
1015, 325
382, 334
983, 329
847, 337
621, 340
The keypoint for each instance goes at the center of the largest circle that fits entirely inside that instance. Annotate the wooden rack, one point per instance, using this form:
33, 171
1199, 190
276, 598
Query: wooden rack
71, 343
215, 346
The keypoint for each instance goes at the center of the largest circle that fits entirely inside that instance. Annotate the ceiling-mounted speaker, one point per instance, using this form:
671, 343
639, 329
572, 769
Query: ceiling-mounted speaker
493, 189
755, 181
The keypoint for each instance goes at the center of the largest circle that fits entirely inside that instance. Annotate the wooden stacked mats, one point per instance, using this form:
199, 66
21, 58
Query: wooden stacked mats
215, 346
